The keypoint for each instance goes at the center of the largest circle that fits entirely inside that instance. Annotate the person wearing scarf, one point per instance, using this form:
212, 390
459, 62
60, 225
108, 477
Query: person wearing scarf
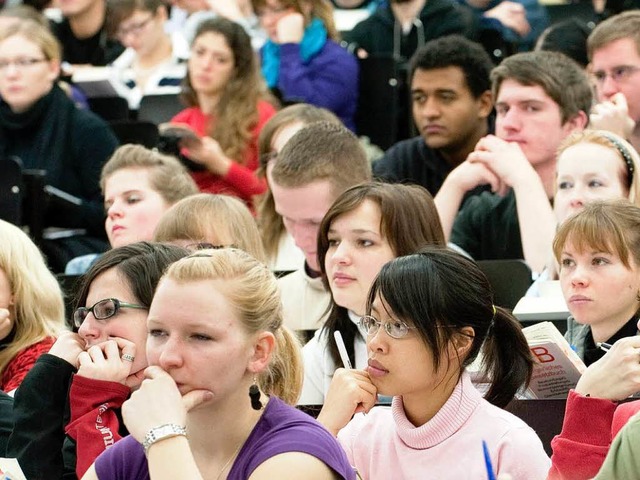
302, 61
41, 126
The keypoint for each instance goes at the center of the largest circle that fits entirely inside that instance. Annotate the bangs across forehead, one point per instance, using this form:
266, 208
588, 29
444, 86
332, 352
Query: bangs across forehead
594, 236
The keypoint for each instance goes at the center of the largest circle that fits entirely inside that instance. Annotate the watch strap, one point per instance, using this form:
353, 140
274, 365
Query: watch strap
161, 432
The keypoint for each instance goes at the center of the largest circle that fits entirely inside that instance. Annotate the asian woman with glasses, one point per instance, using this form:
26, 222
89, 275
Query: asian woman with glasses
428, 316
366, 226
107, 355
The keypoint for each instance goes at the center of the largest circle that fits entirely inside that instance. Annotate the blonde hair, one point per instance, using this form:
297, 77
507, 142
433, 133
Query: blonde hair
217, 219
35, 33
38, 300
623, 149
253, 292
167, 175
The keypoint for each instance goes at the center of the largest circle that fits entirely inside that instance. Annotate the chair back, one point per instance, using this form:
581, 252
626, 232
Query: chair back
510, 280
377, 112
137, 132
109, 108
159, 108
11, 190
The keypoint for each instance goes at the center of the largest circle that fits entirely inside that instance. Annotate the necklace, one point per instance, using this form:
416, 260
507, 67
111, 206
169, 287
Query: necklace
233, 455
237, 450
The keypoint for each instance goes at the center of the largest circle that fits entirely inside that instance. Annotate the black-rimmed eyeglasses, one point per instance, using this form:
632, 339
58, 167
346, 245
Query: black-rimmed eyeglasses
103, 310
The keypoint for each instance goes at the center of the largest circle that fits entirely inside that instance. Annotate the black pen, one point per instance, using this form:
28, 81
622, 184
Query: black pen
603, 346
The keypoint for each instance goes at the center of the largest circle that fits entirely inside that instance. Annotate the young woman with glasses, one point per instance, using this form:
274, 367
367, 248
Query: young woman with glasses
216, 400
41, 125
366, 226
154, 62
428, 316
107, 355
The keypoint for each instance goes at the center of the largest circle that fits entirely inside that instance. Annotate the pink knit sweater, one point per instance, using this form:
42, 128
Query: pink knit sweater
384, 444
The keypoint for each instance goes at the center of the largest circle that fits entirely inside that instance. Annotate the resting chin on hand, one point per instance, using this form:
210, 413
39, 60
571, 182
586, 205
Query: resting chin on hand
613, 116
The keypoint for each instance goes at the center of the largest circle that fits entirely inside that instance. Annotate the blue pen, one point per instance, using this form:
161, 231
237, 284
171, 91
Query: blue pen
487, 462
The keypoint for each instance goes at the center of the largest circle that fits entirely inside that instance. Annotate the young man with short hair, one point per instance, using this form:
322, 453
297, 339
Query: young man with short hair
451, 99
614, 54
540, 98
314, 167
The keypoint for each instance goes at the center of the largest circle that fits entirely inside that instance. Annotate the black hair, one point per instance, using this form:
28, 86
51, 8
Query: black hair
456, 51
440, 292
568, 37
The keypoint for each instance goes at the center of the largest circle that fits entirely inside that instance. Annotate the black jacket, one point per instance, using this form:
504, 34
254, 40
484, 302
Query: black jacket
40, 413
6, 421
438, 18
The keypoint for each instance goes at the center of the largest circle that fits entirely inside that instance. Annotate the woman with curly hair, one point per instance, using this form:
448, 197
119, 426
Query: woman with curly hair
227, 107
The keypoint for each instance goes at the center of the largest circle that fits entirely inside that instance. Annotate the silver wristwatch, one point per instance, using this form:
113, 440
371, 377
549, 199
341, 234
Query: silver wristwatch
156, 434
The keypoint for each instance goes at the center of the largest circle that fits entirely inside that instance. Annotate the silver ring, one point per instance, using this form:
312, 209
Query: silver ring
128, 358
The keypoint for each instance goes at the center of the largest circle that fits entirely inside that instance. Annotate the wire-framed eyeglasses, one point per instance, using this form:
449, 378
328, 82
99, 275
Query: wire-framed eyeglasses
103, 310
394, 328
618, 74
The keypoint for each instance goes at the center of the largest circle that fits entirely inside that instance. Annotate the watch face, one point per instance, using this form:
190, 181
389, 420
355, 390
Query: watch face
163, 430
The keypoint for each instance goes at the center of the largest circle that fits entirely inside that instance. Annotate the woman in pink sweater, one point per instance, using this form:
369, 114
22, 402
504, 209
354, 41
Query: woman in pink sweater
436, 311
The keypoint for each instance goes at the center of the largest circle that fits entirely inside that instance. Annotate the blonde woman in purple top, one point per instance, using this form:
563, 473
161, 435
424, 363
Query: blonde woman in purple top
428, 316
209, 406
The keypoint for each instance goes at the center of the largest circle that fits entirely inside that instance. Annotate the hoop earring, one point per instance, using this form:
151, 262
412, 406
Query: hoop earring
254, 395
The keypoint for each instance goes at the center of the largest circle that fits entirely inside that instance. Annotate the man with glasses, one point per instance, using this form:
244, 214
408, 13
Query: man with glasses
614, 52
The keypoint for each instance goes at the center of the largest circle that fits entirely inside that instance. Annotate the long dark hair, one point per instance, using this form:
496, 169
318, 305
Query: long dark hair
440, 292
237, 111
408, 221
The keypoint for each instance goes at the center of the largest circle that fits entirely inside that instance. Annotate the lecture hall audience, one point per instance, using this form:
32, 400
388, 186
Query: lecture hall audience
542, 168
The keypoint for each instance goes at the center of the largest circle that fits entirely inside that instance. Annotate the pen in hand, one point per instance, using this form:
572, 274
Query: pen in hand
344, 356
605, 347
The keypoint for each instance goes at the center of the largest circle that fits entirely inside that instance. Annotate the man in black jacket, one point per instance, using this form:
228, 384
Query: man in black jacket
451, 98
